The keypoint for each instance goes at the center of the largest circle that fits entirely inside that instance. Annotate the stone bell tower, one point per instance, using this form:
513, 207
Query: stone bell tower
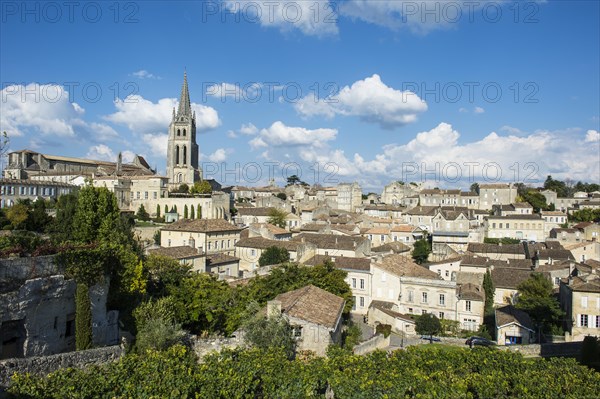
182, 150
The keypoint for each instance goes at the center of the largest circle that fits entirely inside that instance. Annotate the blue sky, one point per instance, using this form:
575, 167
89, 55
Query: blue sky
370, 91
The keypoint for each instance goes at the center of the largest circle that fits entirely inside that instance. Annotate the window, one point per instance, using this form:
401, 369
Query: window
297, 331
597, 321
410, 310
208, 247
423, 311
442, 300
447, 273
253, 252
169, 243
362, 283
362, 301
424, 297
584, 301
557, 280
441, 315
411, 296
154, 195
468, 306
439, 272
583, 320
383, 276
353, 283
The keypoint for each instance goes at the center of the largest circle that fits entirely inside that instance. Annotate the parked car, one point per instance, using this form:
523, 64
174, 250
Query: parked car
479, 341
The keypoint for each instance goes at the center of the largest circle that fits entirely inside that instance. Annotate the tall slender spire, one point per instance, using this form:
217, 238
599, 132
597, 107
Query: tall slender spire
185, 108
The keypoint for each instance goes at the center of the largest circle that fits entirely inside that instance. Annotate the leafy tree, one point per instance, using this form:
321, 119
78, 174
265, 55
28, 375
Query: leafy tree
86, 221
164, 273
428, 324
199, 212
590, 352
192, 212
158, 334
277, 217
421, 251
474, 188
142, 214
185, 212
182, 189
585, 215
38, 219
535, 199
83, 318
293, 179
201, 187
17, 215
269, 331
557, 186
537, 299
274, 255
281, 196
157, 211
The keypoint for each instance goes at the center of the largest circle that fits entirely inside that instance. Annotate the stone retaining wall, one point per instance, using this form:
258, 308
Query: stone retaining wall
43, 365
376, 342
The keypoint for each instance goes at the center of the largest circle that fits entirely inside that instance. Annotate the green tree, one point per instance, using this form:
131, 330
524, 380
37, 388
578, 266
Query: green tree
269, 331
142, 214
474, 188
421, 251
199, 212
201, 187
164, 273
277, 217
535, 199
86, 219
158, 334
274, 255
156, 237
282, 196
83, 318
428, 324
590, 352
293, 179
38, 219
185, 211
157, 211
17, 215
557, 186
166, 209
535, 296
192, 212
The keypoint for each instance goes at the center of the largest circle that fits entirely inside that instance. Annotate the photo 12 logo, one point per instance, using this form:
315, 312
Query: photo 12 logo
75, 92
52, 12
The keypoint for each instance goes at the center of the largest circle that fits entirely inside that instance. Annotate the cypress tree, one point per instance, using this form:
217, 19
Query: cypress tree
83, 318
185, 212
192, 212
199, 212
157, 210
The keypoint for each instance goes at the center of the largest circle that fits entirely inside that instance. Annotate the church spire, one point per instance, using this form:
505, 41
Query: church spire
185, 108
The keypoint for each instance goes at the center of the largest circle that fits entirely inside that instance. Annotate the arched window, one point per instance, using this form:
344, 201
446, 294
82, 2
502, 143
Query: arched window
184, 152
179, 178
184, 132
178, 132
176, 155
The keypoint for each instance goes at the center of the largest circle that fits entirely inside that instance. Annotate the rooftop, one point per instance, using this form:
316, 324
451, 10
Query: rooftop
201, 225
312, 304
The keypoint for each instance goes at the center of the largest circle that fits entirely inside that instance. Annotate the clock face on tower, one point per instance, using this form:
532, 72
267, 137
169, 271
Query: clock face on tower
182, 150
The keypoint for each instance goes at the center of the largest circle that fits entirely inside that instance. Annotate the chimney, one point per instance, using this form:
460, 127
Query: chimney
273, 308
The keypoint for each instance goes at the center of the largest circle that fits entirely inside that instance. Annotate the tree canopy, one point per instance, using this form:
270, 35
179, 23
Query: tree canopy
273, 255
421, 251
428, 324
277, 217
535, 297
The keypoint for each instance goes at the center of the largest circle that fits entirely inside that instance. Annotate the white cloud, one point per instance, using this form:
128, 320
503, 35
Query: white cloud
312, 18
479, 110
248, 129
437, 155
511, 130
101, 152
46, 110
157, 143
592, 136
249, 92
220, 155
463, 110
280, 135
144, 116
419, 17
128, 156
369, 99
143, 74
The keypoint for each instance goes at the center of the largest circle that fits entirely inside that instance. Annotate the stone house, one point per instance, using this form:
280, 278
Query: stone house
520, 227
37, 309
269, 231
209, 235
314, 314
381, 312
513, 326
395, 192
497, 252
470, 306
580, 299
336, 245
246, 215
406, 233
446, 268
12, 189
358, 279
583, 251
506, 280
518, 208
378, 236
496, 194
553, 219
451, 226
569, 235
249, 250
193, 257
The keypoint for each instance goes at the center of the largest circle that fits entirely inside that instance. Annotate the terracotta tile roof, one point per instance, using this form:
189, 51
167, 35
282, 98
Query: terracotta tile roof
314, 305
330, 241
403, 266
469, 278
504, 277
582, 285
395, 247
493, 185
264, 243
509, 314
403, 228
378, 230
201, 225
474, 260
512, 263
180, 252
341, 262
271, 227
386, 307
254, 211
422, 210
471, 292
219, 259
313, 227
492, 249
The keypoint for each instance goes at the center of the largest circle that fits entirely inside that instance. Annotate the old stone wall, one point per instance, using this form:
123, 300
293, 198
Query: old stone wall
46, 364
21, 269
376, 342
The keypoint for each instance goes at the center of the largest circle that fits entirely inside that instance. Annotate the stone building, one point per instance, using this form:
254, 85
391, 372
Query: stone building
12, 189
37, 309
208, 235
314, 314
